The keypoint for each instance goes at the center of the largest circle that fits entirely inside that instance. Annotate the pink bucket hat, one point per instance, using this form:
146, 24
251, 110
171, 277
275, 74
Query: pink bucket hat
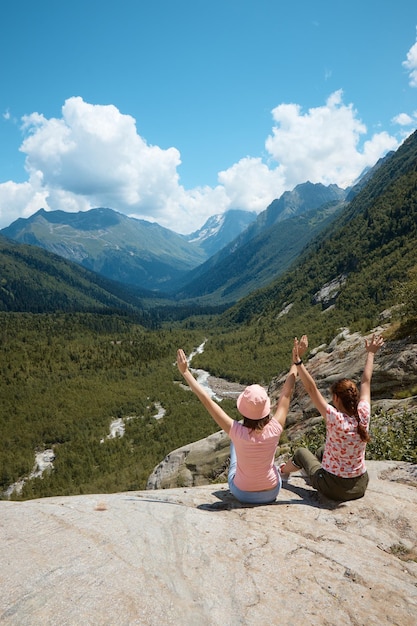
254, 403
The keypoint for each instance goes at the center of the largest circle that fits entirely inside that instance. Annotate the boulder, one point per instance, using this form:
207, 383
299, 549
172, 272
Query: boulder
395, 370
198, 463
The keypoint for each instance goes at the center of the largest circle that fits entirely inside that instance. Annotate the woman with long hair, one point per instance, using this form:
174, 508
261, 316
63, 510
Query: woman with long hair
253, 477
338, 470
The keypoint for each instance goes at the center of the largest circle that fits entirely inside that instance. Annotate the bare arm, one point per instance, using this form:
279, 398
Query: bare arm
288, 388
371, 347
285, 396
309, 384
220, 417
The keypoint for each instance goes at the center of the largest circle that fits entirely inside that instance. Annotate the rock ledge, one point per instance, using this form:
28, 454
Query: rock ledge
196, 557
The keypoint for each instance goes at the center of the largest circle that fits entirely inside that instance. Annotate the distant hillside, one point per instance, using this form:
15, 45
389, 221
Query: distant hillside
370, 245
124, 249
366, 177
303, 198
267, 247
37, 281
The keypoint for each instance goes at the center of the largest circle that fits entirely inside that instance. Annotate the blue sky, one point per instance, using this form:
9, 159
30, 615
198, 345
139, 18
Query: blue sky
175, 110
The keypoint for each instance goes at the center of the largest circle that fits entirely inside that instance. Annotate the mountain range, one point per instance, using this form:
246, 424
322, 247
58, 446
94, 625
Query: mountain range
354, 268
118, 247
227, 258
267, 247
126, 263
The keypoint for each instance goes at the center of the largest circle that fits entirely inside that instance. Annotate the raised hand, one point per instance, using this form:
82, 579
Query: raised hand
302, 345
299, 348
373, 344
182, 362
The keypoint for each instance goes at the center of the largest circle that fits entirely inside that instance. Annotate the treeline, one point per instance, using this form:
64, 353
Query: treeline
37, 281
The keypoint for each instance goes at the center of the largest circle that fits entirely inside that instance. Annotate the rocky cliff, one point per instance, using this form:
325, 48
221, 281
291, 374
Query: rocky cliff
196, 557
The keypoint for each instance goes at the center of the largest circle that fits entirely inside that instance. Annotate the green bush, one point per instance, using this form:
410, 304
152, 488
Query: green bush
393, 437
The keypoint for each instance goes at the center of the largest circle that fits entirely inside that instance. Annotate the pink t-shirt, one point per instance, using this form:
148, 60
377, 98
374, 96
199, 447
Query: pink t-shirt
344, 452
255, 452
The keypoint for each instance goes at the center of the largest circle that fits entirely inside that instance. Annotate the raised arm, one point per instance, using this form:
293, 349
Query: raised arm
371, 347
284, 399
220, 417
309, 385
285, 396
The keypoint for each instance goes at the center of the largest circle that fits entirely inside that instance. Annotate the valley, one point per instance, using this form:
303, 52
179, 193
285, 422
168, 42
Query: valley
80, 351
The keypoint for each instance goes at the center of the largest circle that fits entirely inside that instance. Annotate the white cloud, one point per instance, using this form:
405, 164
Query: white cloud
403, 119
411, 65
95, 152
322, 145
21, 199
93, 156
251, 183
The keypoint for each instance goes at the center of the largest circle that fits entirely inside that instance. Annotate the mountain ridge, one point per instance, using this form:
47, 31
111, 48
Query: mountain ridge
220, 229
148, 256
37, 281
110, 243
264, 256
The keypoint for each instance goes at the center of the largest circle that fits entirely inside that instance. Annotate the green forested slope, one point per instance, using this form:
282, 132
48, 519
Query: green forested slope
371, 247
259, 261
34, 280
66, 377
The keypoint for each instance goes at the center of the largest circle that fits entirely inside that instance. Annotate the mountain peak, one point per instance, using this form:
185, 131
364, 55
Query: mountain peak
81, 220
221, 229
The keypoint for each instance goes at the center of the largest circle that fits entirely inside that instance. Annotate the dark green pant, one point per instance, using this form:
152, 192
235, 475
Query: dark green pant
331, 486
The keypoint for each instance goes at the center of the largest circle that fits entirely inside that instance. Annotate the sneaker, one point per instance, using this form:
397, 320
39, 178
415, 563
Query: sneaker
284, 477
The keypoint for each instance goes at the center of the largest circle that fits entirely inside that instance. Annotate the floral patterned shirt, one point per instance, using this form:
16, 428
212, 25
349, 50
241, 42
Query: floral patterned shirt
344, 452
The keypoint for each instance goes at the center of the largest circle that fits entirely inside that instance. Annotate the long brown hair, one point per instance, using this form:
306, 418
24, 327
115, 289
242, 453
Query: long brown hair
348, 394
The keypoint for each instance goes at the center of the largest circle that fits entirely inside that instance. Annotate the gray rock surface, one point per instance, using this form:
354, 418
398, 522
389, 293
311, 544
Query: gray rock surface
197, 463
196, 557
395, 370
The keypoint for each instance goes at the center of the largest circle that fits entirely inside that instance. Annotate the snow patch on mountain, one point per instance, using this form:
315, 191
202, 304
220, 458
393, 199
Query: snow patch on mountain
221, 229
210, 229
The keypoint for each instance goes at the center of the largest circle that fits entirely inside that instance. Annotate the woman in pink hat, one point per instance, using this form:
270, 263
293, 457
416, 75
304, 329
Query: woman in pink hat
253, 477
